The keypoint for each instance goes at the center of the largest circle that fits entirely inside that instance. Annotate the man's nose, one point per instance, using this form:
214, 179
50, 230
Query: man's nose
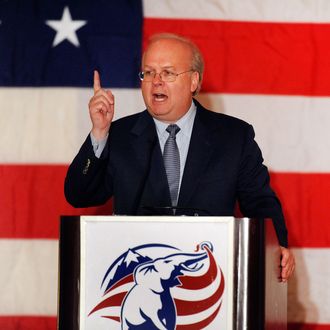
157, 79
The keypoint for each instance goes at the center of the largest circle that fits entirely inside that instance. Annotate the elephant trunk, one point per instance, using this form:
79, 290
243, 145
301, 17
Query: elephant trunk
185, 260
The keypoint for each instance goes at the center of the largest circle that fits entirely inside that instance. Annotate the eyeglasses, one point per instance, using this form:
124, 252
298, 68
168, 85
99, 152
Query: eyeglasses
164, 75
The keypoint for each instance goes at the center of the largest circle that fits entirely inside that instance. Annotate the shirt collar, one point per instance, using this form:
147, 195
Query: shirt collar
182, 122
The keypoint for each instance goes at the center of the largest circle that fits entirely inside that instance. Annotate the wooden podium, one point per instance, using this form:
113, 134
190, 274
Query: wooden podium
118, 272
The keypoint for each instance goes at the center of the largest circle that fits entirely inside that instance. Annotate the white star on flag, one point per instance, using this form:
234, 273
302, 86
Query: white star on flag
66, 28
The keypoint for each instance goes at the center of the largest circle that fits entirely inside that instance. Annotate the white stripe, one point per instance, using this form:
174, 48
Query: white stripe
49, 125
309, 289
120, 289
248, 10
112, 311
196, 295
290, 130
28, 277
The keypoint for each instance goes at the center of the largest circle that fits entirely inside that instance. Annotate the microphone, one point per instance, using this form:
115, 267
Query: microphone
175, 210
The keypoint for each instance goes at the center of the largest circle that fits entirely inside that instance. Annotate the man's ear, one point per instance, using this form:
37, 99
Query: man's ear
194, 81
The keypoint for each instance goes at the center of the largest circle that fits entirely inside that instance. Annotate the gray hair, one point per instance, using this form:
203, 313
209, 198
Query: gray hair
197, 57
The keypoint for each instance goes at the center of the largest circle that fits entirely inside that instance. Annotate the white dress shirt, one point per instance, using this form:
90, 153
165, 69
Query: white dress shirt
186, 124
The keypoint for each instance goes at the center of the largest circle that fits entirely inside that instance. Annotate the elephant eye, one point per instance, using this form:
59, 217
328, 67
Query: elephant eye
167, 261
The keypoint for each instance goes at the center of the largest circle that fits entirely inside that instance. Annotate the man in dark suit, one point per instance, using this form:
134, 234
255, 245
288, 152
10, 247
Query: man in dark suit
176, 156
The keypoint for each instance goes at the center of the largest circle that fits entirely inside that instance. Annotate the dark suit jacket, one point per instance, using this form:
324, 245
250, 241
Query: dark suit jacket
224, 165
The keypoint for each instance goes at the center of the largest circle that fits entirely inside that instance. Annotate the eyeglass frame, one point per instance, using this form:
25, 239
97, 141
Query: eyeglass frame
175, 75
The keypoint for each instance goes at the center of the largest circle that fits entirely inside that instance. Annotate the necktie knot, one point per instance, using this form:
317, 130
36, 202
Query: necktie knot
173, 129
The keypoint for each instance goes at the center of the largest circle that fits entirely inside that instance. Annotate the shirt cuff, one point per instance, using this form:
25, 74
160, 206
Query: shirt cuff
98, 145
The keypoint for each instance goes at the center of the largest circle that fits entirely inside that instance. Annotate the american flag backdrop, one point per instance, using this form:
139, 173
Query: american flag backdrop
267, 62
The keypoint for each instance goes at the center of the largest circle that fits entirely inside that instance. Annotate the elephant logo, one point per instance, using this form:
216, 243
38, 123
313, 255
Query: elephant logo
157, 286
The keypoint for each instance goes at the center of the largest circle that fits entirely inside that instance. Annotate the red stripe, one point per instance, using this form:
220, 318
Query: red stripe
200, 325
127, 279
308, 326
185, 307
27, 322
115, 318
199, 282
115, 300
32, 200
305, 199
257, 58
49, 323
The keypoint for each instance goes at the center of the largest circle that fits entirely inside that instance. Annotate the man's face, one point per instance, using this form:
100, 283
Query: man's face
168, 101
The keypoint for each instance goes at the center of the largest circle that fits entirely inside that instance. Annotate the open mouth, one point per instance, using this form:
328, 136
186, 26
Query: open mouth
159, 97
194, 268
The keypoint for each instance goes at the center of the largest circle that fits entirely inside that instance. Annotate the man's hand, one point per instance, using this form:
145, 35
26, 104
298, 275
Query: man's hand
101, 109
287, 264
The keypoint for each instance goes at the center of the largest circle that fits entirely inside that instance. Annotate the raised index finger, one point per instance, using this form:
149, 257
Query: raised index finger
97, 81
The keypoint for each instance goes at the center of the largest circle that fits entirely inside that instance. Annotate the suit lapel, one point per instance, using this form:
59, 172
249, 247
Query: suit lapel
143, 138
199, 154
154, 186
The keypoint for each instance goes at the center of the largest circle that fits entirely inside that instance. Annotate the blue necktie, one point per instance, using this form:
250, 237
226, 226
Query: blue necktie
172, 162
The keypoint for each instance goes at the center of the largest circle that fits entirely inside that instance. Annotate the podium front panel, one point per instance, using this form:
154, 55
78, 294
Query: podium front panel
171, 272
